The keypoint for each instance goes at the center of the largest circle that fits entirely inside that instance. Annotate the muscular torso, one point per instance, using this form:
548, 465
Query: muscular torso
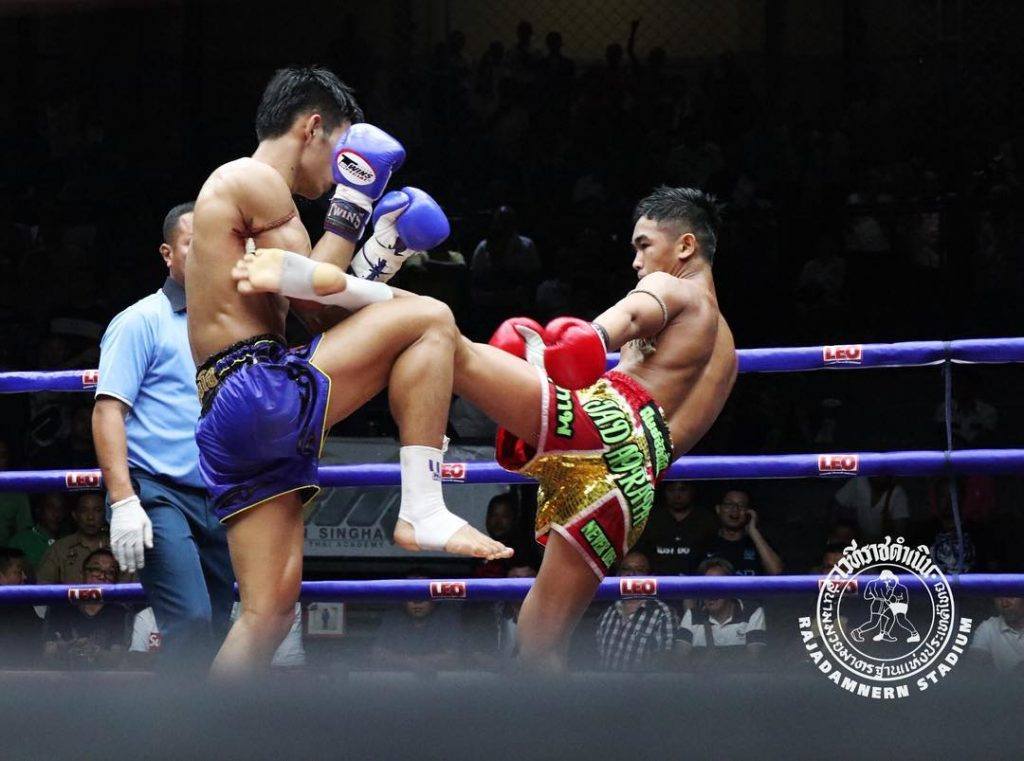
225, 215
690, 373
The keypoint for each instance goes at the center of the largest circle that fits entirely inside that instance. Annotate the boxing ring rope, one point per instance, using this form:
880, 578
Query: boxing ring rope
793, 359
707, 467
514, 590
690, 468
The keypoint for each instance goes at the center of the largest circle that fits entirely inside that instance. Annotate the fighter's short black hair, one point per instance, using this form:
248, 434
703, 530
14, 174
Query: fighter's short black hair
691, 208
171, 220
295, 90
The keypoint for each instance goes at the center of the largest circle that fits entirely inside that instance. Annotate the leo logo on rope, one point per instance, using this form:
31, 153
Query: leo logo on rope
82, 479
451, 590
842, 354
837, 464
453, 471
85, 594
633, 586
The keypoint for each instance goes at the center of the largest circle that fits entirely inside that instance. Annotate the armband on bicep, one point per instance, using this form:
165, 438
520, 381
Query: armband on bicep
661, 303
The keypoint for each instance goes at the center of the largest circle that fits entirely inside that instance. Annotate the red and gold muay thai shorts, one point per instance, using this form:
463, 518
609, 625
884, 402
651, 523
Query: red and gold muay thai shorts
602, 451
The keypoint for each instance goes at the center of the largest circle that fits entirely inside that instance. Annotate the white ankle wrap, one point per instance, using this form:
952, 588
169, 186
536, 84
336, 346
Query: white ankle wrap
422, 502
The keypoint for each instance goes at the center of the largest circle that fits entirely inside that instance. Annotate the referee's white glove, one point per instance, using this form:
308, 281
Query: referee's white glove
131, 532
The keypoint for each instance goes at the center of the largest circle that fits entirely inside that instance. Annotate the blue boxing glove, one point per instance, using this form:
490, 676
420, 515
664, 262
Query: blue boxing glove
405, 222
364, 159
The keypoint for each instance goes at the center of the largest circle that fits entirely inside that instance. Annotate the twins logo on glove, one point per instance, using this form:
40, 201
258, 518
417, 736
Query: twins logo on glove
364, 159
353, 168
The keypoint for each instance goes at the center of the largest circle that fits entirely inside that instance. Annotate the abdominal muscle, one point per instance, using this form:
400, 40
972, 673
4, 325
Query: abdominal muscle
690, 387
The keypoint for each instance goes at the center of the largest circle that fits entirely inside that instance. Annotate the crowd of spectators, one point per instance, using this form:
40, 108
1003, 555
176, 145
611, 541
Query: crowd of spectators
831, 233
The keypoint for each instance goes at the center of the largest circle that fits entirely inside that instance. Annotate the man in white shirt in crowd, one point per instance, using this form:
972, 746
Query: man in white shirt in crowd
999, 641
719, 628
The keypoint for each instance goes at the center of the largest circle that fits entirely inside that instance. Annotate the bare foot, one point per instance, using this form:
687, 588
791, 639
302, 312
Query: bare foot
259, 271
466, 541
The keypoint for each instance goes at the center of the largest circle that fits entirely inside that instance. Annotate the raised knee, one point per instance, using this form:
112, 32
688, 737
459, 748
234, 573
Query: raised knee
438, 322
437, 314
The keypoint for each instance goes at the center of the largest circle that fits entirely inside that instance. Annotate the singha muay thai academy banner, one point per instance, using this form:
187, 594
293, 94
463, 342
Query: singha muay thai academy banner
358, 521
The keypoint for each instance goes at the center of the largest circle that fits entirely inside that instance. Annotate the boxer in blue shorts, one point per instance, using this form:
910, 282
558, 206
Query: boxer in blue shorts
247, 458
266, 408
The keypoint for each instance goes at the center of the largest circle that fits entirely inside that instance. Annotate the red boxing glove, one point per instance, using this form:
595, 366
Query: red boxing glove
576, 354
507, 337
571, 351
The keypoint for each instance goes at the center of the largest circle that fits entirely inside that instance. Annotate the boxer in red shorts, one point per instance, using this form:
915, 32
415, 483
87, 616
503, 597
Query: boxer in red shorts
599, 442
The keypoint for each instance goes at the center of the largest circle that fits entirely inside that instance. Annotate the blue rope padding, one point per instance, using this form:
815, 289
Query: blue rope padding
696, 468
498, 590
794, 359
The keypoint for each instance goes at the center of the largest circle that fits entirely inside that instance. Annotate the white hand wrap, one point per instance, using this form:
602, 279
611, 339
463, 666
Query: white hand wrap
297, 283
353, 196
379, 258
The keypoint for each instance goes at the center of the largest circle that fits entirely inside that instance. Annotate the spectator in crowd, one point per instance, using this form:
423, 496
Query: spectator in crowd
15, 511
635, 634
719, 628
739, 539
821, 292
89, 634
502, 524
523, 56
62, 563
999, 641
419, 636
945, 546
20, 627
829, 558
50, 412
556, 74
441, 274
146, 639
80, 452
842, 532
507, 614
504, 272
678, 530
973, 420
878, 504
48, 513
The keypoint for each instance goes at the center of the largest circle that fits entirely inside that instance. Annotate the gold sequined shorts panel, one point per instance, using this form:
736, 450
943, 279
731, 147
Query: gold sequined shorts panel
601, 453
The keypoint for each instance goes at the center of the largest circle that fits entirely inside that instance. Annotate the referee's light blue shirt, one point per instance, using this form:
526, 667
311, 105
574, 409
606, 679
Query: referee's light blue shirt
145, 361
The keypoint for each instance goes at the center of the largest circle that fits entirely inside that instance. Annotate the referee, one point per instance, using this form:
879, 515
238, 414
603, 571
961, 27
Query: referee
144, 430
